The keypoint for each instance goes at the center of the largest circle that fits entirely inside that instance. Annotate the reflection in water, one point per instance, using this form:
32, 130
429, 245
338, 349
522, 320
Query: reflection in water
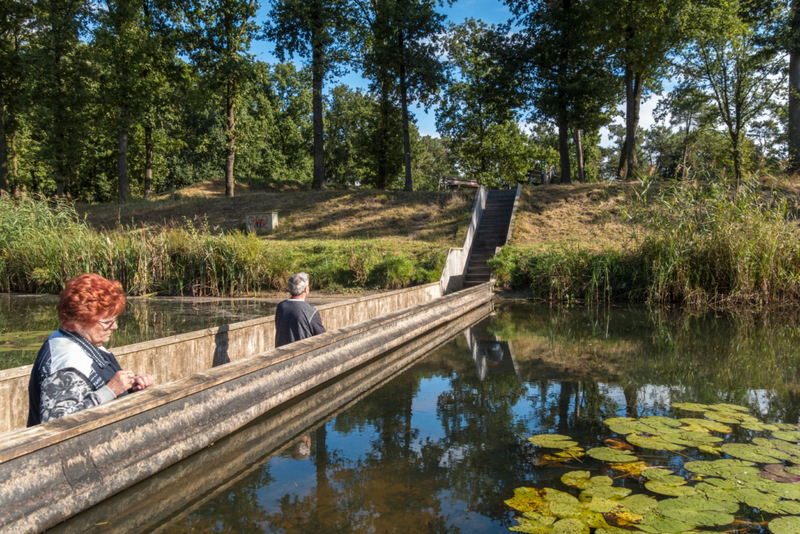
27, 320
440, 446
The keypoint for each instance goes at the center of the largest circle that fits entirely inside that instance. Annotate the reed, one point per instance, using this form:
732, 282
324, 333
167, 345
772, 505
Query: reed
706, 245
43, 244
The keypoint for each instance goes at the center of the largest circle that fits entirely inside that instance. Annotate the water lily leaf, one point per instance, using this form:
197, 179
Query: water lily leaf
699, 511
604, 454
691, 406
572, 452
757, 426
663, 525
783, 507
787, 435
604, 492
653, 443
785, 525
785, 426
630, 469
691, 437
656, 473
553, 441
705, 423
766, 442
656, 420
717, 494
533, 523
729, 408
612, 420
629, 427
754, 453
709, 449
720, 468
576, 478
722, 417
531, 500
786, 446
793, 470
639, 504
671, 490
778, 473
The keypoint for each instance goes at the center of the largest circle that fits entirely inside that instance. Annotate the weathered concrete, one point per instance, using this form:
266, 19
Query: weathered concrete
55, 470
457, 258
175, 357
513, 214
172, 494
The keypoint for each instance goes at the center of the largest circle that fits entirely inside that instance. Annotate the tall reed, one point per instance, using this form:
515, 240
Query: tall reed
44, 244
705, 244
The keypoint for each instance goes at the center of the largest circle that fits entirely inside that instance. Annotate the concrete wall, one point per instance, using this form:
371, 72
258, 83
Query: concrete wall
458, 258
57, 469
175, 357
513, 214
170, 495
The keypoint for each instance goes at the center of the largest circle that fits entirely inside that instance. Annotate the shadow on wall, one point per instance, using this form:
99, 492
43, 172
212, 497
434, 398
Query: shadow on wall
221, 343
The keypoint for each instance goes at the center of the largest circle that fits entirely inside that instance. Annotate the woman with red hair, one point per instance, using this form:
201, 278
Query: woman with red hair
73, 371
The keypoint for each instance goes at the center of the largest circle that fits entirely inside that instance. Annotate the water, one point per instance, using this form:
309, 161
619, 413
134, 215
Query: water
440, 446
27, 320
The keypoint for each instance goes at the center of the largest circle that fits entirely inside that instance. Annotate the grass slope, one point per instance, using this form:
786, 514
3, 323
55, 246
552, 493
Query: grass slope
431, 217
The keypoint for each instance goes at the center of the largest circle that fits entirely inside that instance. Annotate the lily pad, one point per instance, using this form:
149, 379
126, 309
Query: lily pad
722, 407
722, 417
785, 525
705, 423
720, 468
653, 442
663, 525
670, 489
655, 420
778, 473
756, 426
639, 504
605, 454
604, 492
754, 453
699, 511
656, 473
787, 435
553, 441
629, 427
630, 469
691, 406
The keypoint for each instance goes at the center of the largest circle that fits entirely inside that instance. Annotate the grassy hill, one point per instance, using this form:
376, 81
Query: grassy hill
431, 217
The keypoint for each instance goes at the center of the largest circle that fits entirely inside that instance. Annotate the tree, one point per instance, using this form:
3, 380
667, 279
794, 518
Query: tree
432, 162
642, 35
60, 74
740, 72
218, 38
564, 67
319, 29
793, 45
402, 47
477, 98
15, 19
346, 134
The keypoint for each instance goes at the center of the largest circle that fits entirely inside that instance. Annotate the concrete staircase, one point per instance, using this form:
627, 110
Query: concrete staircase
491, 234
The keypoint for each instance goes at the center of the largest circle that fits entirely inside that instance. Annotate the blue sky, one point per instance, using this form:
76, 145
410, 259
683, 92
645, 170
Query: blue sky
489, 11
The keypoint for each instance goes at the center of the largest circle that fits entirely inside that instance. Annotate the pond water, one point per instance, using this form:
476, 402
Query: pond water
439, 446
27, 320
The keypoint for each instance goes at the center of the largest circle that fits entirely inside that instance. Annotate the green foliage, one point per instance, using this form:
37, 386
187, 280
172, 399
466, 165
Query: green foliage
42, 247
705, 245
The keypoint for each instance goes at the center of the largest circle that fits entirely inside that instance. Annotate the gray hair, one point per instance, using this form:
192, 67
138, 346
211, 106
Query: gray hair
298, 283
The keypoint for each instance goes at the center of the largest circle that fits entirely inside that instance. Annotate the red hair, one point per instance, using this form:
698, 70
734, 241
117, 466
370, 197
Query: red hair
89, 297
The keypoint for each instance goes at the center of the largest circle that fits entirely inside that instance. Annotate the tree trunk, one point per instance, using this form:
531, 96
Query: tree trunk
794, 89
14, 182
3, 154
148, 161
633, 101
563, 150
404, 103
684, 170
59, 183
122, 155
579, 156
382, 172
318, 181
737, 160
231, 131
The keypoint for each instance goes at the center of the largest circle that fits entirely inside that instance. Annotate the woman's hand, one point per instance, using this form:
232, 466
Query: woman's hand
121, 382
141, 382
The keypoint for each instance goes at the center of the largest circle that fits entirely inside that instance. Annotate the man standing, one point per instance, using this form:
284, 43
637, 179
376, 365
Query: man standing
295, 319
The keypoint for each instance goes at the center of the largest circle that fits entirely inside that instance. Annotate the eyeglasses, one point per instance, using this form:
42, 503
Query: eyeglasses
108, 323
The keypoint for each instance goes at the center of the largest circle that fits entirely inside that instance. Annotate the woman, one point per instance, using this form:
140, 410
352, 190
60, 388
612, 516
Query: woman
73, 371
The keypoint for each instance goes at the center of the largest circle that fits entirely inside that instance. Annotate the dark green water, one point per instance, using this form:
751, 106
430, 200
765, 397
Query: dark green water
27, 320
440, 446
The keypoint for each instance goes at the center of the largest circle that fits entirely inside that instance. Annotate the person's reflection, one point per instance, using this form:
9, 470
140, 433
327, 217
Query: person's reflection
303, 449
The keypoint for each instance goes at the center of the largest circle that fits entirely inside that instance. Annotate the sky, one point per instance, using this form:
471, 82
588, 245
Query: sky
490, 12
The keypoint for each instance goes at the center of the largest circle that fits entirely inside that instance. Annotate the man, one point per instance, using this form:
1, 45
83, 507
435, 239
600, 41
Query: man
295, 319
